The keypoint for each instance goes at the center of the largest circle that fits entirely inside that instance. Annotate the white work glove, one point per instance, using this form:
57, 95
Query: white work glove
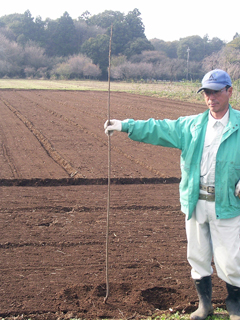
237, 189
115, 125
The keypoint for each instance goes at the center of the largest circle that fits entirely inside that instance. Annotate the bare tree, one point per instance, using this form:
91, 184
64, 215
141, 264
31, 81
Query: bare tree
11, 57
77, 66
149, 57
227, 59
90, 70
34, 56
134, 71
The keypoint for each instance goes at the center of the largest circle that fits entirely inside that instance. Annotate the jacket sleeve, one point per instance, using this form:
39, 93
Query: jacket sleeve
165, 133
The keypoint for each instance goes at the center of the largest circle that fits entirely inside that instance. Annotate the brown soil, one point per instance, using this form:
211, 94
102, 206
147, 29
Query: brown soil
53, 186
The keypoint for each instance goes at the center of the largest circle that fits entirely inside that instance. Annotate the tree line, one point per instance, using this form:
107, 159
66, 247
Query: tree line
68, 48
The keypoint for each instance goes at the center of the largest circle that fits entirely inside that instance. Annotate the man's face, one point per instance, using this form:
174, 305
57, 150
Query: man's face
217, 101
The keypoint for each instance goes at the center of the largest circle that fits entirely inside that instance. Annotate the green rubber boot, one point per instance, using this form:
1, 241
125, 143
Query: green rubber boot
233, 302
204, 290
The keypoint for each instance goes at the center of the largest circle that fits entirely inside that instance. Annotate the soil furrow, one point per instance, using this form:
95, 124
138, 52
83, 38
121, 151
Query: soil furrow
84, 181
46, 144
10, 162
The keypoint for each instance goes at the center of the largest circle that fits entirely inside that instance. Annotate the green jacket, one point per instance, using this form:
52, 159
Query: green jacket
188, 134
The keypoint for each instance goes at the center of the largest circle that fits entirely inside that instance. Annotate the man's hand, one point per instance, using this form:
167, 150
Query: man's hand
115, 125
237, 189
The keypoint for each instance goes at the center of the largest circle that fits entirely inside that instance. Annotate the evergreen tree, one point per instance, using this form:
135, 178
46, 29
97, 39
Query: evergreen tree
61, 37
126, 29
98, 49
196, 46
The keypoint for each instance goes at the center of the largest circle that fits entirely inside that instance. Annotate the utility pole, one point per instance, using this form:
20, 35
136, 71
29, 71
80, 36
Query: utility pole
188, 50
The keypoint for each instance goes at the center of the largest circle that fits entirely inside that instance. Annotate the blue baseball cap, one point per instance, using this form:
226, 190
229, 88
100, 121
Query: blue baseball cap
215, 80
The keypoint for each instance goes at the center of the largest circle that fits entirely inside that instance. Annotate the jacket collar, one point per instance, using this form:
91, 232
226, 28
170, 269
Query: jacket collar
224, 120
234, 120
201, 120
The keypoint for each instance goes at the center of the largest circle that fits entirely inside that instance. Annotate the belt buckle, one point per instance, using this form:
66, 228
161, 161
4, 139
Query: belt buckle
210, 189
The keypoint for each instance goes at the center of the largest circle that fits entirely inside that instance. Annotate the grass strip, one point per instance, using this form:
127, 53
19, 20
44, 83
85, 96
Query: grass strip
183, 91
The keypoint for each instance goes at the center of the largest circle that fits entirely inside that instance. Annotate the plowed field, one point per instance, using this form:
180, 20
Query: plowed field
53, 186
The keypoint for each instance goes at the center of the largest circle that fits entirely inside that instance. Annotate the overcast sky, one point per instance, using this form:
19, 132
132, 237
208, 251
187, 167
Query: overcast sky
167, 20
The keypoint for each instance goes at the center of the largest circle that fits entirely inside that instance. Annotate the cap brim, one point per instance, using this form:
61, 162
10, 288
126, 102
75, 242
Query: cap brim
212, 86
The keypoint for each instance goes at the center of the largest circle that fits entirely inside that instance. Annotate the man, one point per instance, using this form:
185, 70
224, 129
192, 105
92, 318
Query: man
209, 188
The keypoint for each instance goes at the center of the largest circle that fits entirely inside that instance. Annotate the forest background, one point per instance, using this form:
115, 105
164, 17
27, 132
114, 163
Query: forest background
78, 49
